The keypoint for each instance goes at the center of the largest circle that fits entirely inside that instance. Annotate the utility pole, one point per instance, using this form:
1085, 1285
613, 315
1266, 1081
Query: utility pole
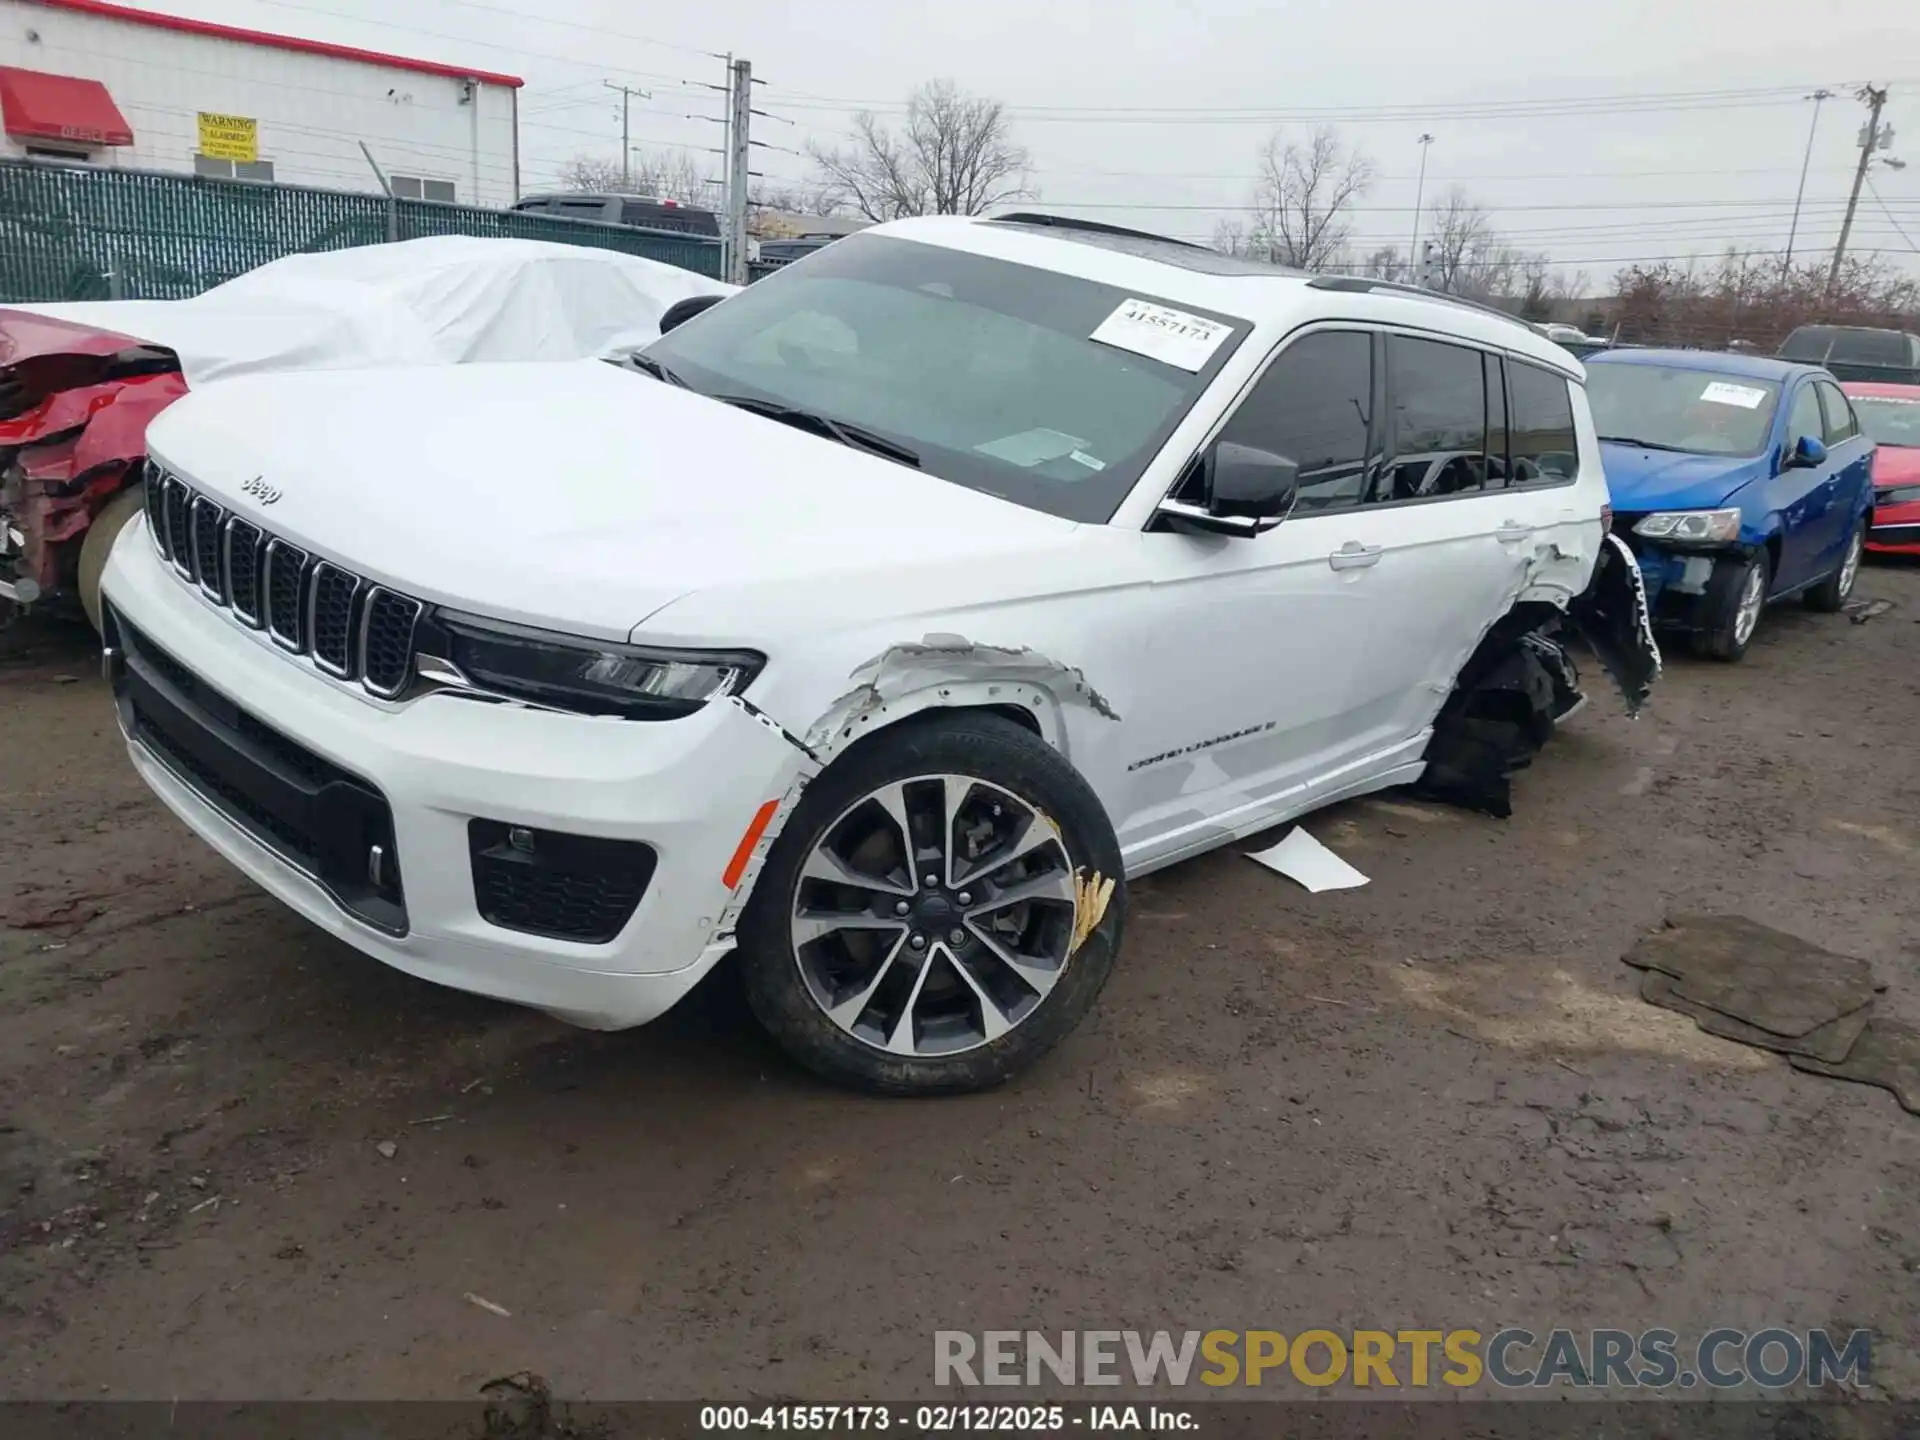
1818, 97
1419, 190
627, 93
739, 118
1869, 142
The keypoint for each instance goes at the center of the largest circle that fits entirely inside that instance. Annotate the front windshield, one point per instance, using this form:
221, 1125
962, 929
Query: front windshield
1889, 419
985, 371
1667, 407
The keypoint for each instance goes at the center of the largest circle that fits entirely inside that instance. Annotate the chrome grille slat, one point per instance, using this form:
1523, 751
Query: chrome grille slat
346, 626
286, 595
156, 503
331, 594
179, 540
387, 620
204, 521
243, 572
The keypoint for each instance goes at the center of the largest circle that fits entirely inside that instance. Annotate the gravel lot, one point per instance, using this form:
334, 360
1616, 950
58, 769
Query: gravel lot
237, 1159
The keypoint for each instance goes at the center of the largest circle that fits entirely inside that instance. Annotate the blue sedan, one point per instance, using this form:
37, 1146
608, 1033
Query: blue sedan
1737, 481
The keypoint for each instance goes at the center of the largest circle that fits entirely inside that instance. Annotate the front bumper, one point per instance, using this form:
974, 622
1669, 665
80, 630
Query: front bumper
1676, 581
687, 788
1896, 529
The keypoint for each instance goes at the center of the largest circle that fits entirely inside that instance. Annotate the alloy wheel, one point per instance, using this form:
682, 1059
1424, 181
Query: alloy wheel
934, 915
1753, 598
1850, 567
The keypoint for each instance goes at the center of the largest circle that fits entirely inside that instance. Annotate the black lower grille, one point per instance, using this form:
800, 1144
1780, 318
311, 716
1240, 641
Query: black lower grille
332, 617
567, 887
319, 818
243, 572
286, 594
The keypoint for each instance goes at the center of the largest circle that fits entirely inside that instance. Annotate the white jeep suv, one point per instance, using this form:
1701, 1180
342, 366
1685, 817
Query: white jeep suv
879, 625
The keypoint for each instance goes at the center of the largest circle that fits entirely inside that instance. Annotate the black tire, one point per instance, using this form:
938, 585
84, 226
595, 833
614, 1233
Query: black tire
973, 744
1719, 637
1831, 593
98, 544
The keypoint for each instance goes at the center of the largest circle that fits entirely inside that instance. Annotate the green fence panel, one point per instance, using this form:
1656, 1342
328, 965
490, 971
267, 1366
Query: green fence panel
68, 233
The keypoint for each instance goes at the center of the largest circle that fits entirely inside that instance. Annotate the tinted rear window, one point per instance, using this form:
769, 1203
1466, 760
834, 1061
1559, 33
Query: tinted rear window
1808, 343
1870, 347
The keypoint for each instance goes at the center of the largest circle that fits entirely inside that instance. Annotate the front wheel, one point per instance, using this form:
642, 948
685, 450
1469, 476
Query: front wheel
942, 908
1736, 594
1831, 593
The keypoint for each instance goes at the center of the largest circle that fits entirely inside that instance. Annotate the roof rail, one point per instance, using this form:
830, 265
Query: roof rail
1360, 284
1068, 222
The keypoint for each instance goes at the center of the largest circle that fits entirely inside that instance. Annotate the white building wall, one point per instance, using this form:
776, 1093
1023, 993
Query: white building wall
313, 110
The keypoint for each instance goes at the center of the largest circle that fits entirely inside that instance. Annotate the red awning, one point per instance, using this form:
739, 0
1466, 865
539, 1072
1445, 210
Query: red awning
38, 106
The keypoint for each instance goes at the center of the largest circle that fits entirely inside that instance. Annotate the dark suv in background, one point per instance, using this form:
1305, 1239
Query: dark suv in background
645, 212
1856, 352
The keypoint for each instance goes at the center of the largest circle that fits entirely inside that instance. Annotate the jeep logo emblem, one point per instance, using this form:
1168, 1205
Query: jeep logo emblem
259, 489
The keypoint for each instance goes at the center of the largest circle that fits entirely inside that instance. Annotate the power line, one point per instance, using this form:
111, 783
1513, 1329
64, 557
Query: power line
1890, 220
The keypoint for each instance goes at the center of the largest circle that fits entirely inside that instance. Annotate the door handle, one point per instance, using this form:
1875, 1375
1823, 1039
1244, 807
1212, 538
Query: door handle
1353, 555
1512, 532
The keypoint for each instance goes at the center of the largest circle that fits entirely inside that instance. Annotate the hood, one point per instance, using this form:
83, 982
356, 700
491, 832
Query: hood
25, 336
579, 497
1641, 479
1896, 465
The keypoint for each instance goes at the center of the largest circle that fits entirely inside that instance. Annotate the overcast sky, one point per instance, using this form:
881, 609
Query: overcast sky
1599, 132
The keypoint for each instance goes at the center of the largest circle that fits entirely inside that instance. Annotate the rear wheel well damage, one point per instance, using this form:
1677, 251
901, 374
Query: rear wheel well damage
1519, 682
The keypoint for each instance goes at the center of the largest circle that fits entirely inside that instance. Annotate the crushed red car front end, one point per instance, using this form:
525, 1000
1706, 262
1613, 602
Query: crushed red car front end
75, 403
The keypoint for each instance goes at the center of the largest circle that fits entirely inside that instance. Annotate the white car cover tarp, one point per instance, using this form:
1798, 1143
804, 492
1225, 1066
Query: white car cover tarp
443, 300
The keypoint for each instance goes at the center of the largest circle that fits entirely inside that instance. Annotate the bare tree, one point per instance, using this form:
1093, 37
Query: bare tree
1301, 214
955, 155
1743, 298
1473, 259
669, 174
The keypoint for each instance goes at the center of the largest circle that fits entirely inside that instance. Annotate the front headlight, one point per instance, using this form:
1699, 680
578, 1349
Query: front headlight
1695, 527
591, 677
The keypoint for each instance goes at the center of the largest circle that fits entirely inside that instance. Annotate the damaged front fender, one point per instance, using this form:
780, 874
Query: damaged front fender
951, 671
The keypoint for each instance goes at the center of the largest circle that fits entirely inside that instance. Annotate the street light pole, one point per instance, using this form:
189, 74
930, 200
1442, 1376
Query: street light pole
1419, 191
1817, 97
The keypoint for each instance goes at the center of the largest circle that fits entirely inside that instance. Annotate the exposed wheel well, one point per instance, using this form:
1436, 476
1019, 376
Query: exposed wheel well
1773, 555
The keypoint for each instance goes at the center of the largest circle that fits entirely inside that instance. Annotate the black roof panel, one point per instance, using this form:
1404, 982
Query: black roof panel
1143, 246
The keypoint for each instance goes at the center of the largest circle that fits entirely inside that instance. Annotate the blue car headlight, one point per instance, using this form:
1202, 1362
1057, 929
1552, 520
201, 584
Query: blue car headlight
1690, 527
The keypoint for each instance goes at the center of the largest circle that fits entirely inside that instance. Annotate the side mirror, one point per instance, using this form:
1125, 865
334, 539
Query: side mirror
1807, 452
681, 311
1246, 492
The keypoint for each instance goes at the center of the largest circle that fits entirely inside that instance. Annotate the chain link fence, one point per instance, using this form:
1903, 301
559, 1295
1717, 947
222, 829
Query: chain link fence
68, 233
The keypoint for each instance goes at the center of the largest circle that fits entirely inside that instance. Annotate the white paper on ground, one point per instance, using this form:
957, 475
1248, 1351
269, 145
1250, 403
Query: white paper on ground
1301, 857
1747, 397
1172, 337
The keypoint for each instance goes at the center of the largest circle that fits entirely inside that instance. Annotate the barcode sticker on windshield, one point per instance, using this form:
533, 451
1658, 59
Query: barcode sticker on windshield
1172, 337
1745, 396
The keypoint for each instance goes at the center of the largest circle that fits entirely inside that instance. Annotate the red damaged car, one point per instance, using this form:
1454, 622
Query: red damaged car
1890, 414
74, 407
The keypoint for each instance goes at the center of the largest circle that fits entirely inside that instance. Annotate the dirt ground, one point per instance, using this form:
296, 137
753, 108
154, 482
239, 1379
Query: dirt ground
1434, 1101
